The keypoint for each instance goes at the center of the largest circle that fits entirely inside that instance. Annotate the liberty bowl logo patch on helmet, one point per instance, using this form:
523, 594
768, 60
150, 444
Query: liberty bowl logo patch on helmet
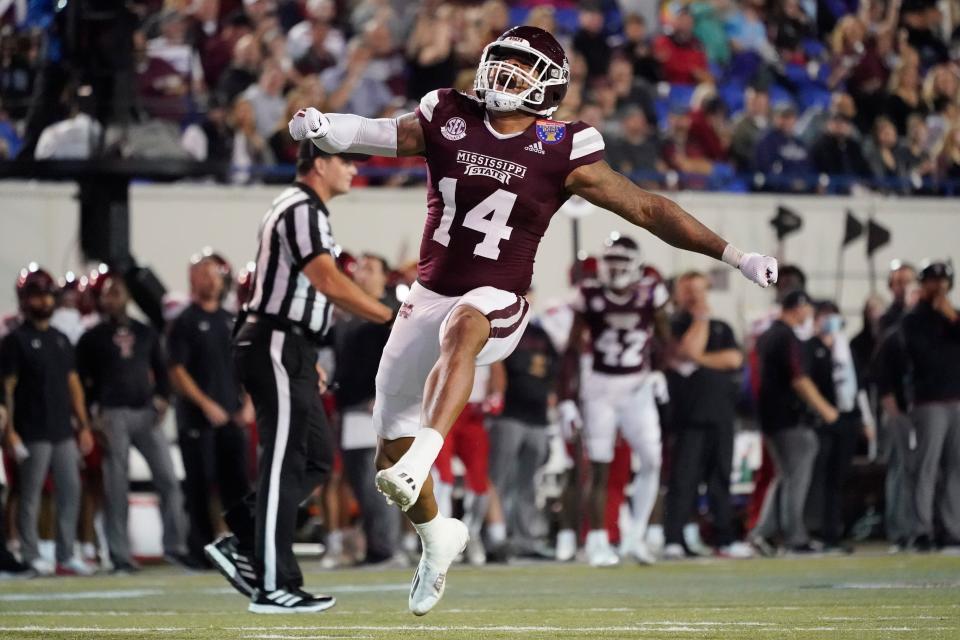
455, 129
551, 132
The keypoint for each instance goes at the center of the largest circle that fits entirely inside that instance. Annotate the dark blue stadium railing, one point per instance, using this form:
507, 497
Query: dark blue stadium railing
722, 179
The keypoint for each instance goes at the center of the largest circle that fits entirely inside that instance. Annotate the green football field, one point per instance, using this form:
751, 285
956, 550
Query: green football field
866, 596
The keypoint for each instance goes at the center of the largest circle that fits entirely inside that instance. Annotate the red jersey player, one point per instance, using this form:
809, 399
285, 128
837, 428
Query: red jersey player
499, 169
621, 314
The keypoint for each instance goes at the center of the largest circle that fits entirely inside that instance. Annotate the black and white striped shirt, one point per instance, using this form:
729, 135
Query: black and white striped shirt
293, 232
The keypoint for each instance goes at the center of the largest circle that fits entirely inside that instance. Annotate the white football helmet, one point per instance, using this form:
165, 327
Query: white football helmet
620, 266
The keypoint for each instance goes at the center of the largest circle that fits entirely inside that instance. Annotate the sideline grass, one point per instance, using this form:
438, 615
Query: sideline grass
863, 597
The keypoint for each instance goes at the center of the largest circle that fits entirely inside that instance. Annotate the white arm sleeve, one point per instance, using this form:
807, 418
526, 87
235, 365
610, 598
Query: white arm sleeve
353, 134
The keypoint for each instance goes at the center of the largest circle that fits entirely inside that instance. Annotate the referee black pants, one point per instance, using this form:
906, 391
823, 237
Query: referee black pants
278, 370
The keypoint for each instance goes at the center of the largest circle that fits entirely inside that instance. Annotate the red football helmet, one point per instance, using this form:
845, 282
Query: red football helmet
621, 266
504, 85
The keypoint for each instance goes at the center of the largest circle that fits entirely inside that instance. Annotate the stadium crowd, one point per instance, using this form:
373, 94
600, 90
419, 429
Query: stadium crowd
777, 95
84, 382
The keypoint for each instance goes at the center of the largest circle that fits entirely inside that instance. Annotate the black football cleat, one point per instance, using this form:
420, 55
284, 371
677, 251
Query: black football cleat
235, 566
290, 601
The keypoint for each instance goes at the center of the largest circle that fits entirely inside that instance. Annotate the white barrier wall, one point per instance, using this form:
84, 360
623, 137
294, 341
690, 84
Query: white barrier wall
170, 222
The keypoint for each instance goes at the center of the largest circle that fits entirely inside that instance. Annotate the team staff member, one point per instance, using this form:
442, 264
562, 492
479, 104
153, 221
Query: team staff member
785, 388
296, 284
209, 403
124, 371
931, 333
703, 385
42, 390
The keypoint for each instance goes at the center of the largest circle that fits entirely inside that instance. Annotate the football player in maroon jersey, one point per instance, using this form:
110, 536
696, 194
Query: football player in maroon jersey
499, 169
620, 314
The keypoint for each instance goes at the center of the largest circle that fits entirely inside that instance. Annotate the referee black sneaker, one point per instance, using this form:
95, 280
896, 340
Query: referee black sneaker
236, 567
290, 601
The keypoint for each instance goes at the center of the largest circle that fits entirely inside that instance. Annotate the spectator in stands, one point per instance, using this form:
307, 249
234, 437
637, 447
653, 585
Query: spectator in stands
884, 153
16, 76
814, 120
918, 162
749, 127
266, 98
356, 85
790, 25
216, 52
703, 388
173, 47
904, 95
248, 149
161, 90
847, 49
681, 151
708, 27
832, 371
931, 332
941, 97
430, 56
785, 391
780, 151
948, 160
921, 20
709, 127
681, 56
591, 41
43, 392
123, 368
837, 153
638, 50
316, 36
358, 344
628, 89
242, 71
747, 31
638, 146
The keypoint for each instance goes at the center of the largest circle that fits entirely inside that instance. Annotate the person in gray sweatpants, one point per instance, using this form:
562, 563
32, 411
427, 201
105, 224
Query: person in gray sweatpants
931, 334
124, 371
786, 391
43, 395
519, 438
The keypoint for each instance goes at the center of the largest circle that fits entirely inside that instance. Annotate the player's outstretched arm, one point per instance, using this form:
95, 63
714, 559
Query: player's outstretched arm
348, 133
600, 185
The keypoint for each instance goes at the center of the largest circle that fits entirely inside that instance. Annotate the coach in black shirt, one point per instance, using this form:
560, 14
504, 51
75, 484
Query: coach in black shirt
124, 371
212, 440
297, 282
703, 386
931, 333
785, 392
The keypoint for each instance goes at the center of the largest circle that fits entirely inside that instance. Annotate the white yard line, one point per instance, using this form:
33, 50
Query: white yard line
80, 595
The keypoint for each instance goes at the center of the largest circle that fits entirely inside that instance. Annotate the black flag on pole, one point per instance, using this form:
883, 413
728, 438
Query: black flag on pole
853, 228
877, 236
786, 221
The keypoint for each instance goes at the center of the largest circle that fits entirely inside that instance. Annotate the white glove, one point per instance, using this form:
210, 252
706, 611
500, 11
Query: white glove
755, 267
308, 123
570, 420
659, 383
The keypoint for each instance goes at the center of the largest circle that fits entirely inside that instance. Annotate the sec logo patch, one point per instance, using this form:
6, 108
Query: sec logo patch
455, 129
551, 132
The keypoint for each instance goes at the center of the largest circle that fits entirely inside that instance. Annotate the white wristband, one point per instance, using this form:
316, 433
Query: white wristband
732, 256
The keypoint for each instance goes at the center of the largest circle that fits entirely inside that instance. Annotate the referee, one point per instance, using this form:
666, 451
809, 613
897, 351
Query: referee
296, 285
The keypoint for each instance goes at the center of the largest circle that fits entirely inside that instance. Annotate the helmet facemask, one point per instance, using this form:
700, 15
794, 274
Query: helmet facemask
504, 85
619, 272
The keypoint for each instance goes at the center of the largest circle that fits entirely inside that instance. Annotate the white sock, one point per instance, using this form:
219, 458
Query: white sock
475, 511
598, 537
497, 532
443, 492
335, 542
646, 486
427, 529
419, 458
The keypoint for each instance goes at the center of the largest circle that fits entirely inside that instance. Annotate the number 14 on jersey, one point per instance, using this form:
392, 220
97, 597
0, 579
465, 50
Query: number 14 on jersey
489, 217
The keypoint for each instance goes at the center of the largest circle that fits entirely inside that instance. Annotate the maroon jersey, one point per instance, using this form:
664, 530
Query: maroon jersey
621, 327
490, 196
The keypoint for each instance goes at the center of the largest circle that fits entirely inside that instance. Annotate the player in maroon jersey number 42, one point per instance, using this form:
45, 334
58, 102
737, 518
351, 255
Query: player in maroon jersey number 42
499, 169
